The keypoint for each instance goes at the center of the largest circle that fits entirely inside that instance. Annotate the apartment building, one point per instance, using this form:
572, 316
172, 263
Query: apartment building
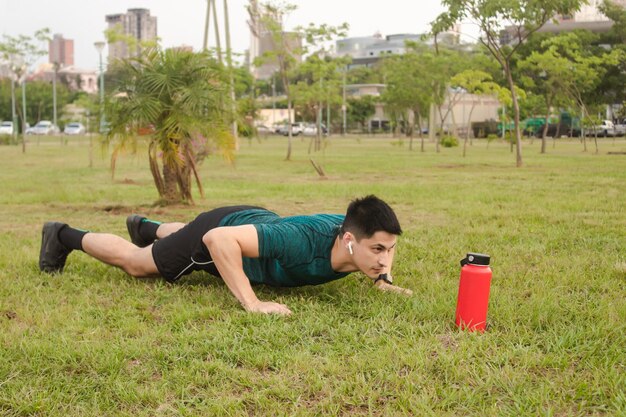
136, 23
61, 51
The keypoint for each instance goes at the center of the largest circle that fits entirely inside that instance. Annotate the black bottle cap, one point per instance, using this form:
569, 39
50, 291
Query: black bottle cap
476, 259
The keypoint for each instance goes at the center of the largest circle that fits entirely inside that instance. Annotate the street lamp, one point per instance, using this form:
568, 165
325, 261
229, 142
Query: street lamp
99, 47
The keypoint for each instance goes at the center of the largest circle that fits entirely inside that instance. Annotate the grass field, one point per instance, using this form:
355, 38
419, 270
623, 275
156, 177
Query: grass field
95, 342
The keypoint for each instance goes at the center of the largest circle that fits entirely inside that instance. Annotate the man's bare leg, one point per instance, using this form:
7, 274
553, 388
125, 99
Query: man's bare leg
59, 240
166, 229
116, 251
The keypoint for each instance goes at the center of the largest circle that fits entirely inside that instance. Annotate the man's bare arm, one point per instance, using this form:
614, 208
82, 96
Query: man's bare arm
227, 245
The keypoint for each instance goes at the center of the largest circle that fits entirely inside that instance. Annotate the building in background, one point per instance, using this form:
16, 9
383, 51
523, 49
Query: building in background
76, 79
61, 51
588, 18
136, 23
262, 41
368, 50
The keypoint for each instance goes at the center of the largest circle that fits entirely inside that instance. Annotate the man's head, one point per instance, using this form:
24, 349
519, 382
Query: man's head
368, 215
369, 233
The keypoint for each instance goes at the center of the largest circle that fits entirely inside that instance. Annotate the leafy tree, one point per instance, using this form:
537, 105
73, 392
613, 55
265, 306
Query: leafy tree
547, 73
360, 109
288, 46
479, 83
19, 53
409, 89
270, 17
91, 105
616, 13
134, 46
320, 85
612, 87
524, 17
178, 98
586, 72
39, 104
364, 75
417, 84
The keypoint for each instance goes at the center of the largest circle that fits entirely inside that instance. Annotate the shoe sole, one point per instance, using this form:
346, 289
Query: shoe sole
135, 237
48, 231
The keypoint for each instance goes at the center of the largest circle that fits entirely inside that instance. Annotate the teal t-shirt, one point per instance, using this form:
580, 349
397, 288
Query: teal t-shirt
293, 251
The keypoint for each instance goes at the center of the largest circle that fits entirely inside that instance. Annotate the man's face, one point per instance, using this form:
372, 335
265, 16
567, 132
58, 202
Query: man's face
373, 255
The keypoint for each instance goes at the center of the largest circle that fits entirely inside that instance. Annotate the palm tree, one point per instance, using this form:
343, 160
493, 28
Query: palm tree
178, 100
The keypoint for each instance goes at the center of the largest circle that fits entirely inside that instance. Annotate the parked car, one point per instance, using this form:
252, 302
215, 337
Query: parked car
311, 130
605, 128
296, 129
45, 127
6, 128
620, 127
74, 128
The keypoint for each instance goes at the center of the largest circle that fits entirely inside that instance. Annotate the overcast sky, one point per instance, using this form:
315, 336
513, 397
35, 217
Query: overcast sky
182, 21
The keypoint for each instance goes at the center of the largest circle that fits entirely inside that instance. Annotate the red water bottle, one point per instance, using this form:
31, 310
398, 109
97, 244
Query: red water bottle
473, 299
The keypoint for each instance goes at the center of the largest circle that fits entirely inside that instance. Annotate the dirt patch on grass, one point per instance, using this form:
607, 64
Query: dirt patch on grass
10, 315
450, 166
127, 181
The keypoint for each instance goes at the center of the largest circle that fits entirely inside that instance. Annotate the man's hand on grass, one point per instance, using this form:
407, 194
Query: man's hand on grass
268, 307
383, 286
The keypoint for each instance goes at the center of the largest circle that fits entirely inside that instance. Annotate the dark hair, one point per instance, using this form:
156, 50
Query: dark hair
368, 215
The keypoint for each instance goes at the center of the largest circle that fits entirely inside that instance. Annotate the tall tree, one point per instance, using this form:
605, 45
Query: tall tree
288, 47
586, 71
320, 86
231, 76
360, 109
409, 90
521, 17
269, 18
20, 53
178, 98
479, 83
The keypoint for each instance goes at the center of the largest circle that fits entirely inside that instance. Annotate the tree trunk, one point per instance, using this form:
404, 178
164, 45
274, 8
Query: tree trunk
289, 130
410, 125
431, 122
218, 46
419, 126
170, 185
518, 134
469, 128
229, 62
544, 137
318, 124
154, 169
205, 41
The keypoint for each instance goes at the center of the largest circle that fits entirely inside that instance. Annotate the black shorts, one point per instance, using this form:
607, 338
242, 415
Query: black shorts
183, 252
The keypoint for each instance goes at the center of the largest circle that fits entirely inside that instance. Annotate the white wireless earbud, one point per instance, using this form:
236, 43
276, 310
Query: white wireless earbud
350, 248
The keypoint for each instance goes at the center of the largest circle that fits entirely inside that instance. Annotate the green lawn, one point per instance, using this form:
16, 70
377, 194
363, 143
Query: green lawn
95, 342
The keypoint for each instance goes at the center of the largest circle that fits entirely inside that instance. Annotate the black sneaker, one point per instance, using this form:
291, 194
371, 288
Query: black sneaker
53, 253
132, 224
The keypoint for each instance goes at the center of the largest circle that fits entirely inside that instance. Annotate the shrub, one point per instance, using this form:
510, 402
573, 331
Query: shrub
7, 140
448, 141
510, 137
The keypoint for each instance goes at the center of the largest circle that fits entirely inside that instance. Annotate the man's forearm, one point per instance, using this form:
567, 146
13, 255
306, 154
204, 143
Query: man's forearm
228, 259
227, 246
